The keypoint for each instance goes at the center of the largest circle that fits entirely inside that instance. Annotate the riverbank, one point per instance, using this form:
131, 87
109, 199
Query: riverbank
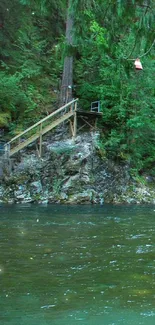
73, 172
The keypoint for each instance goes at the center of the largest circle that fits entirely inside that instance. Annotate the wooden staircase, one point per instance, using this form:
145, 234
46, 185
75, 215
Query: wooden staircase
40, 128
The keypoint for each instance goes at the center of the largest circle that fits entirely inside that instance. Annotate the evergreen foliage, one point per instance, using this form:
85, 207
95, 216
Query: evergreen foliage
107, 37
30, 59
105, 72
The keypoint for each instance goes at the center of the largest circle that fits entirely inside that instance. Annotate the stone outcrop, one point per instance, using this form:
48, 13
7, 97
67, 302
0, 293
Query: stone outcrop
72, 172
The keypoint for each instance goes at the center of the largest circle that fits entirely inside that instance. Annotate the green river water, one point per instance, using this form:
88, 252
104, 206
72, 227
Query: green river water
86, 265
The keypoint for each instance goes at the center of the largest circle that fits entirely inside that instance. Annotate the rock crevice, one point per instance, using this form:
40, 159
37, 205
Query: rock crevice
72, 172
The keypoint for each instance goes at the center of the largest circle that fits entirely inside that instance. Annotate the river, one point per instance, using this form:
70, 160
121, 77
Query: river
86, 265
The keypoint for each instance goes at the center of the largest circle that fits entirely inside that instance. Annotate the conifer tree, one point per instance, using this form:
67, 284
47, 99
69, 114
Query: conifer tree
67, 77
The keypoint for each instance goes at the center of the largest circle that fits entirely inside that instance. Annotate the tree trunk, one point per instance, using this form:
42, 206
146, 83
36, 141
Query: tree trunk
67, 77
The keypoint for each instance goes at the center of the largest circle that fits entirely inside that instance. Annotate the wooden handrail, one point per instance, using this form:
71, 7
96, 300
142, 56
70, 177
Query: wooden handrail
12, 146
41, 121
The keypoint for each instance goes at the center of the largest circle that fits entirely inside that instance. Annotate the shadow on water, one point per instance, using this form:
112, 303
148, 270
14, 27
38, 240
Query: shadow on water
85, 265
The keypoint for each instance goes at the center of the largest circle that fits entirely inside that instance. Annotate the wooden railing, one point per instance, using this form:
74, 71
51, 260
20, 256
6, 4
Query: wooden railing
37, 130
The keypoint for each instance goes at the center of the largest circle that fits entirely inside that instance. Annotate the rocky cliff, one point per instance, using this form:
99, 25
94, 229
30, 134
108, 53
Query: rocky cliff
72, 172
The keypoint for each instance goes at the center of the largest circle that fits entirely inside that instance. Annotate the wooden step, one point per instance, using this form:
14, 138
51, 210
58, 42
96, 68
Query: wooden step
37, 135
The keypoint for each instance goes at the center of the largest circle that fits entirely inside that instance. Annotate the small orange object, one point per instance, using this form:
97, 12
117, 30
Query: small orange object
138, 64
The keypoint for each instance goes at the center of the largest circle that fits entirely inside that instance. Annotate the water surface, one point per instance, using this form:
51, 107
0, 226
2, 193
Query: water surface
86, 265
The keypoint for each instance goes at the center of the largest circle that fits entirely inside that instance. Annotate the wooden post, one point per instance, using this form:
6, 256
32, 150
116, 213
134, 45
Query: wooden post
71, 128
75, 106
7, 150
75, 125
75, 120
40, 144
96, 123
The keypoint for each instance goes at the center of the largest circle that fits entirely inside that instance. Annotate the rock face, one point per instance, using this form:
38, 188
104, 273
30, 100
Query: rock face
72, 172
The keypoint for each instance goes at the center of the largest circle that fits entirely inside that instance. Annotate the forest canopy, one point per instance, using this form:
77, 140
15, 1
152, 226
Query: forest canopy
100, 44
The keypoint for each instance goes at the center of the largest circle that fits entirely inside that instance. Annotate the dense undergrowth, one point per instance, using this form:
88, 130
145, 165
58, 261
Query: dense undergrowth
107, 39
